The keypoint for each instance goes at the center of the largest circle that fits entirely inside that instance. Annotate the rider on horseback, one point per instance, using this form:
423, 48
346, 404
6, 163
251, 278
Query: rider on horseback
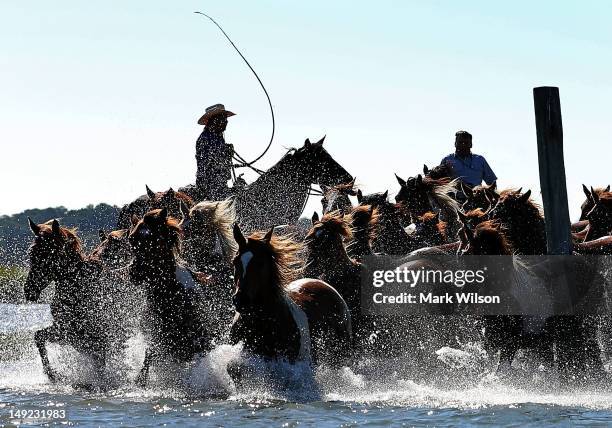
213, 155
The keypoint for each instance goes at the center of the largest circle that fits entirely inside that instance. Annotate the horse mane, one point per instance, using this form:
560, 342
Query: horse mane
285, 255
441, 190
364, 217
335, 222
221, 215
490, 235
68, 234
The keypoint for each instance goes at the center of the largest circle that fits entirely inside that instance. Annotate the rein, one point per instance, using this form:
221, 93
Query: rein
244, 163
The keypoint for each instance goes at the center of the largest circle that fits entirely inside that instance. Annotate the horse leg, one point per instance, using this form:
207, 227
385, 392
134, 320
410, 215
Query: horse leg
40, 339
143, 376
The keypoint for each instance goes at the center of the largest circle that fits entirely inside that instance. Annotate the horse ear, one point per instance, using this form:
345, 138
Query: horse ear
400, 180
268, 236
55, 227
518, 192
170, 192
320, 142
359, 196
493, 186
525, 197
586, 191
419, 180
385, 195
307, 143
425, 169
102, 235
315, 217
35, 228
134, 219
238, 236
163, 213
607, 189
150, 193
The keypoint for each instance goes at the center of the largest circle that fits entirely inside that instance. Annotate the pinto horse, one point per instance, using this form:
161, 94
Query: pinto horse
279, 316
82, 307
176, 304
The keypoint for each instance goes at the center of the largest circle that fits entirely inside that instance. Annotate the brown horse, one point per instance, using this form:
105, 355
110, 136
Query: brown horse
82, 309
177, 308
522, 220
337, 197
482, 197
600, 216
278, 316
589, 202
170, 200
423, 194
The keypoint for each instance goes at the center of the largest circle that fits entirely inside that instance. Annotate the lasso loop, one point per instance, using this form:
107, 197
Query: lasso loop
244, 163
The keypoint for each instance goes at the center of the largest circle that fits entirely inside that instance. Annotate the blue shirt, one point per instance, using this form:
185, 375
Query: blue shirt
471, 169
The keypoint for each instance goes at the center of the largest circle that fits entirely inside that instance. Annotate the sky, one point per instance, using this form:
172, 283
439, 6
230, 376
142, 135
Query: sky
99, 98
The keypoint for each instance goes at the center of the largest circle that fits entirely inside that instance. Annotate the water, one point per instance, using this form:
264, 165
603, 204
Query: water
460, 391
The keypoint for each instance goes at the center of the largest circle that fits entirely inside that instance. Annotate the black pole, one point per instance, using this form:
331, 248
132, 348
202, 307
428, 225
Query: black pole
549, 130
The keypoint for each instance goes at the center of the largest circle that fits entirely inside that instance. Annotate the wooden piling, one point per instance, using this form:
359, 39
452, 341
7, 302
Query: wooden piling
549, 130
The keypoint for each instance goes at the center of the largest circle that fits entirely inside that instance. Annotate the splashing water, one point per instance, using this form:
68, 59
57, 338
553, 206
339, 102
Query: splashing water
459, 387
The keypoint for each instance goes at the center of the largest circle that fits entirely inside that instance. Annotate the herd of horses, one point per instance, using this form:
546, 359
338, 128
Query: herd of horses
249, 270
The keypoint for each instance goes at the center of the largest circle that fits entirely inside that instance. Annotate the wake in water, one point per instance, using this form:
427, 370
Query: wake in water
461, 377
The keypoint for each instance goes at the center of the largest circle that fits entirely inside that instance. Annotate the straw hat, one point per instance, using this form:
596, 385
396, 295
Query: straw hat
213, 111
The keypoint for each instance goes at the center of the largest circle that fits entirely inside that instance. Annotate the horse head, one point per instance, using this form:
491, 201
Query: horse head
319, 166
600, 216
170, 200
326, 237
414, 194
483, 197
263, 265
485, 239
54, 252
589, 202
155, 236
